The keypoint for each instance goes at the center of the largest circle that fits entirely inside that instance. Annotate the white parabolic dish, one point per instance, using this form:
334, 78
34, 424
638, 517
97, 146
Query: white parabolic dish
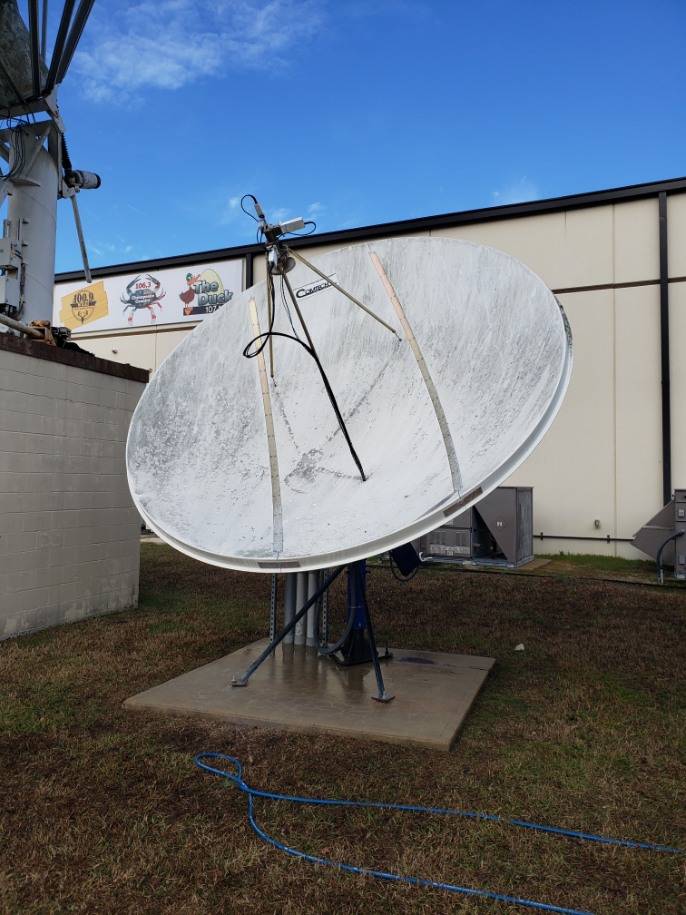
247, 472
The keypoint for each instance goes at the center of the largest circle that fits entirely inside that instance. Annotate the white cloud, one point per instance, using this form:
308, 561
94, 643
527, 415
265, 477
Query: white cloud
280, 214
127, 48
231, 213
101, 248
520, 191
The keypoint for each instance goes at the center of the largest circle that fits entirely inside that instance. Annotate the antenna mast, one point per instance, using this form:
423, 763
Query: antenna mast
39, 170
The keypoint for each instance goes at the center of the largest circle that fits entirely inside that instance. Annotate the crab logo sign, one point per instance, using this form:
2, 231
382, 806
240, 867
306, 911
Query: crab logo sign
144, 291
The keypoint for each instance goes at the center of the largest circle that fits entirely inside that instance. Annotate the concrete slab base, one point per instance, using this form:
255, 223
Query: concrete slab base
297, 690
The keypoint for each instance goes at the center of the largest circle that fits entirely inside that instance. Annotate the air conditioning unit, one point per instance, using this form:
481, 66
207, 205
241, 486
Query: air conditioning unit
663, 536
498, 530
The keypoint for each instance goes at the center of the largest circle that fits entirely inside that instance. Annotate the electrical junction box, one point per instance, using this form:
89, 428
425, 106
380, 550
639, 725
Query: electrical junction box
498, 530
9, 295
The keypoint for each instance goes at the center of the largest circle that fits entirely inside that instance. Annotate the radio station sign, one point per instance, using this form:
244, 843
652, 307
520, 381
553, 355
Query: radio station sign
171, 296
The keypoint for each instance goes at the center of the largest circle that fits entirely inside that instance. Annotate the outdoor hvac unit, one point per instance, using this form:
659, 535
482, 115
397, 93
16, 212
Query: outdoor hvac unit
497, 531
663, 536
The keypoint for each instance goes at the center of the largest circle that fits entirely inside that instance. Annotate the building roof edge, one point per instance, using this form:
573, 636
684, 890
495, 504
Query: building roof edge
403, 227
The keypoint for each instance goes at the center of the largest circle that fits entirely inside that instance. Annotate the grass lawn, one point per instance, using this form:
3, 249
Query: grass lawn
104, 811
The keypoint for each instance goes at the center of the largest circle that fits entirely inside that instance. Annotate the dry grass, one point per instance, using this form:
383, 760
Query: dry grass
104, 811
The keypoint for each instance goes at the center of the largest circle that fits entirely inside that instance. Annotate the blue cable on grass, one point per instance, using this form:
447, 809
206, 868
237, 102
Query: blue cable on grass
237, 779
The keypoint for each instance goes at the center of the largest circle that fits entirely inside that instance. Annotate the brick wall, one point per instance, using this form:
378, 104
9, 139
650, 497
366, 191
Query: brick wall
69, 533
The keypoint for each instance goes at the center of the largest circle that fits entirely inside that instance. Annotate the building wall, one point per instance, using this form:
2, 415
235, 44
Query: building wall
143, 348
598, 473
69, 533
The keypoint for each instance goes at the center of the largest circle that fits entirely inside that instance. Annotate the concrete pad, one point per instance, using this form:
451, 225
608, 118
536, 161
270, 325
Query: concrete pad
535, 563
297, 690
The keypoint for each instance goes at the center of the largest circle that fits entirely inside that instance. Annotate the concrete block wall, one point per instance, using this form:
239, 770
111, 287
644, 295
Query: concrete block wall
69, 532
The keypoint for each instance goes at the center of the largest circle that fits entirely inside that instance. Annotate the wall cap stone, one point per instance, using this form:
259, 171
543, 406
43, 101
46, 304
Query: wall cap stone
74, 357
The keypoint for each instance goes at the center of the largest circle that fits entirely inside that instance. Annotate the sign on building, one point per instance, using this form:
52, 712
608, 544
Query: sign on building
169, 296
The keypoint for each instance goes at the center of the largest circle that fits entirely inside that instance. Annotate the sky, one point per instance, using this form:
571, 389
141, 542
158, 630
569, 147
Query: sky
358, 113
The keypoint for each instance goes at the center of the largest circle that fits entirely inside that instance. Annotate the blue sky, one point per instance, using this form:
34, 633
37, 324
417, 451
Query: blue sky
358, 113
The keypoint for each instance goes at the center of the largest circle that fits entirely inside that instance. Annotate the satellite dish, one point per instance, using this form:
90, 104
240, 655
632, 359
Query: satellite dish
242, 462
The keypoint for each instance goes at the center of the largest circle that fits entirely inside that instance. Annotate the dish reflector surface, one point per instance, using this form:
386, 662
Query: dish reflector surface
248, 472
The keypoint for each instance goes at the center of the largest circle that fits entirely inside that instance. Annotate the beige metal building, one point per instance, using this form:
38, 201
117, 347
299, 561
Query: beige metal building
617, 261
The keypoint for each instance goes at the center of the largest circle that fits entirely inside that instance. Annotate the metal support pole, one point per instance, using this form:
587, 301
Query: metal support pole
272, 609
270, 320
31, 224
335, 285
313, 581
288, 628
329, 391
22, 328
362, 587
300, 600
289, 603
324, 634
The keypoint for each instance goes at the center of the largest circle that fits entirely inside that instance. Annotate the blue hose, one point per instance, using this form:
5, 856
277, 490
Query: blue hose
237, 779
